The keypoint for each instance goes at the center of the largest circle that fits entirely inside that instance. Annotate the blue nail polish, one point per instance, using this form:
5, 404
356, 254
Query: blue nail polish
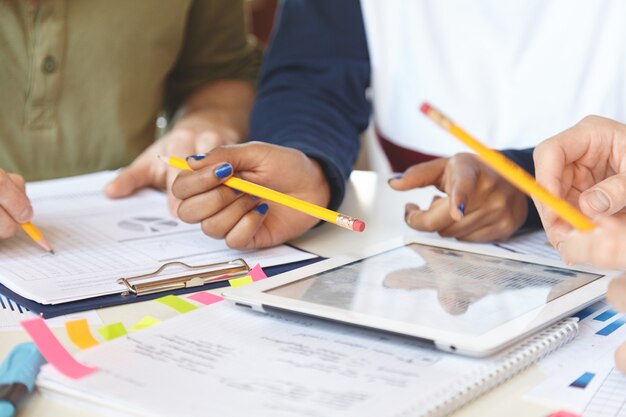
262, 209
224, 171
196, 157
237, 192
462, 209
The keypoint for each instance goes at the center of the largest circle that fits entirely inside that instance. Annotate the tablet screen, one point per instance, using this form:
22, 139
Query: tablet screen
446, 289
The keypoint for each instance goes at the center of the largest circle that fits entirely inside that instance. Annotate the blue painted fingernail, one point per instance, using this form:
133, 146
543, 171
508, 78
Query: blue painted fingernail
262, 209
224, 171
198, 157
462, 209
237, 192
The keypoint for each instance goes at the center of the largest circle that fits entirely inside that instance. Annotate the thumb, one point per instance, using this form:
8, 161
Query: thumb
605, 198
129, 180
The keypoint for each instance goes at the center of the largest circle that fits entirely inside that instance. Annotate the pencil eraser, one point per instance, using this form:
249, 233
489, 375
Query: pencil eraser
358, 226
425, 108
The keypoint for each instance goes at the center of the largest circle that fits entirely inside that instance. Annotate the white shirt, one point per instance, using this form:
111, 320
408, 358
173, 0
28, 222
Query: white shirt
511, 72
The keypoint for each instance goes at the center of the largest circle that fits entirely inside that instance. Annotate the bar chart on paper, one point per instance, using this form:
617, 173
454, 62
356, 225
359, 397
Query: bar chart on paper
581, 377
610, 399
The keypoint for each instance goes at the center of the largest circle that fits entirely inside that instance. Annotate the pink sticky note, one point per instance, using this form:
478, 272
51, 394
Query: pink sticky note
257, 273
53, 350
563, 413
205, 298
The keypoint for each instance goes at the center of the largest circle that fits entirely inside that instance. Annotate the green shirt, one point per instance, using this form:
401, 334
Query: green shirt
82, 82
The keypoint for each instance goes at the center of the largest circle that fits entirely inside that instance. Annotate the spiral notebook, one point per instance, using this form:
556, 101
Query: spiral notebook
227, 361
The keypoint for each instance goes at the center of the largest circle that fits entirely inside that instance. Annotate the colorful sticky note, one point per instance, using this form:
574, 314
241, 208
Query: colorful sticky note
205, 298
112, 331
145, 322
257, 273
53, 350
238, 282
177, 303
79, 333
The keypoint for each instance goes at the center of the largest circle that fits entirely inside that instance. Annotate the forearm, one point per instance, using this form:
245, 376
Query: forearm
224, 103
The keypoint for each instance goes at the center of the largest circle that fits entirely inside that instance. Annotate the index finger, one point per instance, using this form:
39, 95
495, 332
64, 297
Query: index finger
190, 183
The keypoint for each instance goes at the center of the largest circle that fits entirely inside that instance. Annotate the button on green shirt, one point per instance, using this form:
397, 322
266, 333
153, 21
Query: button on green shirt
82, 82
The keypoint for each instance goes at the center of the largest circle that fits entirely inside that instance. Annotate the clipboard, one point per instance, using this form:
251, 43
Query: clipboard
127, 295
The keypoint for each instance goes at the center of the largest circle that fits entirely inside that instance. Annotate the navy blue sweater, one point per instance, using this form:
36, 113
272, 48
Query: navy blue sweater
311, 92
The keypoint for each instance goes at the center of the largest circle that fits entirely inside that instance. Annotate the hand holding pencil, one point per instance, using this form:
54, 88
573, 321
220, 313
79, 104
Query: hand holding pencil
243, 220
16, 210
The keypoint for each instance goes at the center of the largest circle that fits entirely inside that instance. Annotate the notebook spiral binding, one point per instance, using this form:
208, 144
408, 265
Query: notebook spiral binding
478, 383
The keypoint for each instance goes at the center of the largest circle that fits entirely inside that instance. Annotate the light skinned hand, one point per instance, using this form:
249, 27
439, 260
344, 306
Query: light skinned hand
244, 221
147, 170
616, 296
586, 165
15, 207
604, 246
494, 209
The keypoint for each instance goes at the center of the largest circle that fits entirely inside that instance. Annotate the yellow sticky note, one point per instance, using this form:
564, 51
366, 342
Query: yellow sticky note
238, 282
79, 333
145, 322
112, 331
177, 303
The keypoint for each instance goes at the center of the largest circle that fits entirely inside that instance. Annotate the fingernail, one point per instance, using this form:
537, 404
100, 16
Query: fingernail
396, 177
224, 171
462, 209
558, 246
237, 192
599, 201
26, 215
198, 157
262, 209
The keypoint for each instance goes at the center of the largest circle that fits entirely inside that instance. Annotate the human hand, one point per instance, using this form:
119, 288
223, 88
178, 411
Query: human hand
604, 246
148, 171
15, 208
585, 165
616, 296
494, 209
242, 220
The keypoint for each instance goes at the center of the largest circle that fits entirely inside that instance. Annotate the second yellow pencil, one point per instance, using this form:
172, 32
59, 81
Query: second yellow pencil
265, 193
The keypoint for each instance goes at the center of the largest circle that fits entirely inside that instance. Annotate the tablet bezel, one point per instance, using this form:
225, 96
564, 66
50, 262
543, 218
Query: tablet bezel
256, 297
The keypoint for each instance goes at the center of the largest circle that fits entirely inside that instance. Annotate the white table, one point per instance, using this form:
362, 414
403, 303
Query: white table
368, 198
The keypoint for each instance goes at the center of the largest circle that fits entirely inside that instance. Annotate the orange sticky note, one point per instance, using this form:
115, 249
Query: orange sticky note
205, 298
53, 350
257, 273
79, 333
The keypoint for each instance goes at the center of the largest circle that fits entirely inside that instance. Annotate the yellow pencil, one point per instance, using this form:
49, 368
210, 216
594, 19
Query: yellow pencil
256, 190
36, 235
512, 172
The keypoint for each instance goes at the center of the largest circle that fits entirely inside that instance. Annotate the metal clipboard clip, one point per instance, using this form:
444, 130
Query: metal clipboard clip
192, 276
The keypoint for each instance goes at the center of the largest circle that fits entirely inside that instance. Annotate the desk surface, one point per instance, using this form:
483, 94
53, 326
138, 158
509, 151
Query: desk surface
367, 197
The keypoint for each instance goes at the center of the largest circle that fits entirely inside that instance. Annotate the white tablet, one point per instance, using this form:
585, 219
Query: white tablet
450, 294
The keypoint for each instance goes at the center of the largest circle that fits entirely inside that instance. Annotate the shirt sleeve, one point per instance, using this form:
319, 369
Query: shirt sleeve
216, 46
524, 158
311, 93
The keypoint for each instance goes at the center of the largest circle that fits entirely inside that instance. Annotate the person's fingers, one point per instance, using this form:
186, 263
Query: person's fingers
616, 294
604, 246
140, 174
436, 218
18, 180
470, 224
248, 156
8, 226
420, 175
462, 179
202, 206
620, 358
242, 235
13, 198
188, 184
604, 198
220, 224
